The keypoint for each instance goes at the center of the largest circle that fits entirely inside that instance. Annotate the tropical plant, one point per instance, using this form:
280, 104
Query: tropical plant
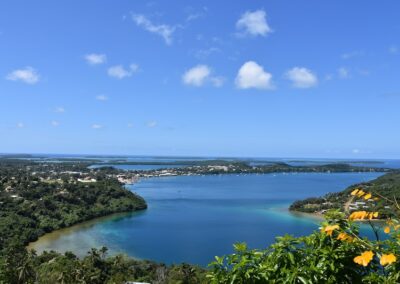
337, 253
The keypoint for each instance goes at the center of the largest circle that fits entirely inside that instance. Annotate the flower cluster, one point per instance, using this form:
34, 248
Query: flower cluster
345, 237
367, 256
361, 215
361, 193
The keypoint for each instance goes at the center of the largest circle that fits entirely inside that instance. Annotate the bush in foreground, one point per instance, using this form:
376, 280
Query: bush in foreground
335, 254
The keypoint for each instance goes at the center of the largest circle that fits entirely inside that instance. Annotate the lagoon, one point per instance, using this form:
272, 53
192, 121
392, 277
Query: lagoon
193, 218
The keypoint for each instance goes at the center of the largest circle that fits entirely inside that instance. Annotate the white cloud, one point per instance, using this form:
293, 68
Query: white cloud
55, 123
200, 75
253, 23
102, 98
59, 110
343, 73
151, 124
197, 75
20, 125
252, 75
120, 72
302, 77
97, 126
163, 30
27, 75
95, 59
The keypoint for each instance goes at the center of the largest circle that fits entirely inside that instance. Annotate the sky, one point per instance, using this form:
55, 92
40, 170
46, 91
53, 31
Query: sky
274, 78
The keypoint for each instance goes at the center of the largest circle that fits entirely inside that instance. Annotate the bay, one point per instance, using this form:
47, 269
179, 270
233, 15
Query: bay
193, 218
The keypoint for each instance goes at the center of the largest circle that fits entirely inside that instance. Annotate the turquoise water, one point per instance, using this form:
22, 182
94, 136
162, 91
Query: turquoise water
193, 218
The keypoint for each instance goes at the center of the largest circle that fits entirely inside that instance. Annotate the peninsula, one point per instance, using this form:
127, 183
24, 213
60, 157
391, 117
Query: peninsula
387, 185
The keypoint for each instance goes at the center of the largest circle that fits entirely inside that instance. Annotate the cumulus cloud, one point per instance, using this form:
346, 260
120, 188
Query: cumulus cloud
197, 75
302, 77
252, 75
163, 30
26, 75
95, 59
97, 126
253, 24
201, 74
120, 72
102, 98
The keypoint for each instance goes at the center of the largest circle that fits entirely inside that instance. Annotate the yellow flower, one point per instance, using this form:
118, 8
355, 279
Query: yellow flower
358, 215
354, 192
360, 193
365, 258
367, 196
345, 237
372, 215
387, 230
387, 259
329, 229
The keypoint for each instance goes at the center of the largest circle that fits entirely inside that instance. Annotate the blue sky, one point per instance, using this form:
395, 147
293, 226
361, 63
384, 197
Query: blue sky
271, 78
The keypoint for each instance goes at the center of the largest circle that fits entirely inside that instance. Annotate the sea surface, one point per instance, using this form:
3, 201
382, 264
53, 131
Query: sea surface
193, 218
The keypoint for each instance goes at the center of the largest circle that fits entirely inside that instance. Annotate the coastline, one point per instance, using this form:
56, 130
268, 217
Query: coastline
41, 241
315, 216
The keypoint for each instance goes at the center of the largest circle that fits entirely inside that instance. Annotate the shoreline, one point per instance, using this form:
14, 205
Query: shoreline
41, 241
316, 216
36, 244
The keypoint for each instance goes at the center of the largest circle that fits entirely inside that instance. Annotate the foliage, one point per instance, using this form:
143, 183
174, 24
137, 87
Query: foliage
36, 198
387, 185
335, 254
20, 266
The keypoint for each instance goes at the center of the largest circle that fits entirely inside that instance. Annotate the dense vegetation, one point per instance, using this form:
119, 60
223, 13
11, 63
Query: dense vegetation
387, 185
335, 254
31, 207
39, 197
21, 267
